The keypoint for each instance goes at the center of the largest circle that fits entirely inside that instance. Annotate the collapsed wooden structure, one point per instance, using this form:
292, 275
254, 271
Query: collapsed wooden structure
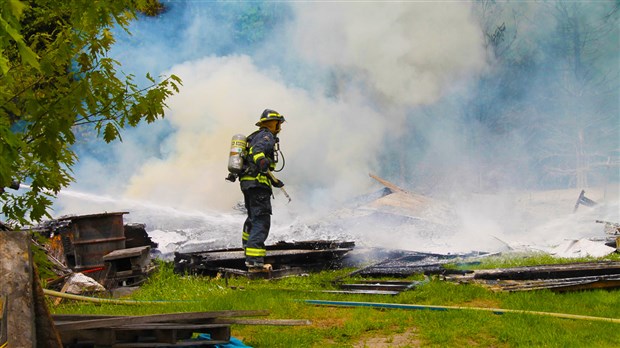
100, 246
286, 259
398, 265
402, 263
558, 278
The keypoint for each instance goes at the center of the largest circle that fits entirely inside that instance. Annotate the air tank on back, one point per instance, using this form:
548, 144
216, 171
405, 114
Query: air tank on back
237, 152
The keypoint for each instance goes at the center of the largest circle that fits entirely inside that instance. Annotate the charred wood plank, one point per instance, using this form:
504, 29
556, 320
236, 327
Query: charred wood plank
363, 292
387, 184
310, 259
376, 286
134, 320
271, 322
273, 274
407, 264
183, 343
559, 285
551, 271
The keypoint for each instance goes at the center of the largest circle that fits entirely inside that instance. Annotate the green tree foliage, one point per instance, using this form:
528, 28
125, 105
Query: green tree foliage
56, 75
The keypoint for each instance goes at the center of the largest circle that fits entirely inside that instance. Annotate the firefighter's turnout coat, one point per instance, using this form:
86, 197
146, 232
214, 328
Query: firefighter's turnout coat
261, 144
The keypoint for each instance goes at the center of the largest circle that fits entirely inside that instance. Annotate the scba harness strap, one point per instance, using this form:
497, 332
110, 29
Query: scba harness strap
252, 160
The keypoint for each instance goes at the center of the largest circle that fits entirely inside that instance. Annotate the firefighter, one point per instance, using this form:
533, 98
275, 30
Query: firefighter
256, 186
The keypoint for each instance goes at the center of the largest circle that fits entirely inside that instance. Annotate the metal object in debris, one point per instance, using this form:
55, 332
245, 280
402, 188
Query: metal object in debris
96, 235
584, 201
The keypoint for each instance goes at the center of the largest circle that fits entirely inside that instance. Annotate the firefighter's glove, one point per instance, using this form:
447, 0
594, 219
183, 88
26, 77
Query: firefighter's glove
231, 177
263, 165
278, 184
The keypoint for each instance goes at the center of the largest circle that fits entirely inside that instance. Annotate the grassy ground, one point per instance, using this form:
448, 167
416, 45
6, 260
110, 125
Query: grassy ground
371, 327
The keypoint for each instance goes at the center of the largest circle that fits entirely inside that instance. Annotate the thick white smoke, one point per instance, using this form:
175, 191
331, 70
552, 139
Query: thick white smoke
407, 53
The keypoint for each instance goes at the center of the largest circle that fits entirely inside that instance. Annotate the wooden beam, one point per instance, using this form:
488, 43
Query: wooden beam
134, 320
273, 322
387, 184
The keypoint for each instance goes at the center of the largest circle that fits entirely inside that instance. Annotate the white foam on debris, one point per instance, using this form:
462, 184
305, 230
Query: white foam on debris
167, 241
581, 248
498, 222
485, 223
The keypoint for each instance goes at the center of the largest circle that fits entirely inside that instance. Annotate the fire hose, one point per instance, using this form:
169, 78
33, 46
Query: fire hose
446, 308
104, 300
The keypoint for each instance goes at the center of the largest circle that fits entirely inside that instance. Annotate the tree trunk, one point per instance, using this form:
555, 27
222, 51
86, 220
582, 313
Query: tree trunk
16, 288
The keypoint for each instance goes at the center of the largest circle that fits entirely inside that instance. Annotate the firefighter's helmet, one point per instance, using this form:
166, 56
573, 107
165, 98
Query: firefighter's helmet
269, 115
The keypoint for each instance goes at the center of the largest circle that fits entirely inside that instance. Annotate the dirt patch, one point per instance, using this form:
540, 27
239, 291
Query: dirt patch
397, 340
328, 322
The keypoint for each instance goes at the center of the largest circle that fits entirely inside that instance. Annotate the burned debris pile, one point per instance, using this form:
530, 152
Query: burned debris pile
558, 278
398, 265
285, 258
99, 246
401, 264
612, 232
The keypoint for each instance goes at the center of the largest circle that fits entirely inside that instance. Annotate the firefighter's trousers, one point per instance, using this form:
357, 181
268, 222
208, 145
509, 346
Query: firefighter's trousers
257, 224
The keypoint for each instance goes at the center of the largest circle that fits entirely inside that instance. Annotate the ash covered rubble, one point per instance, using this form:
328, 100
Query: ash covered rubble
388, 220
394, 230
372, 229
398, 217
335, 240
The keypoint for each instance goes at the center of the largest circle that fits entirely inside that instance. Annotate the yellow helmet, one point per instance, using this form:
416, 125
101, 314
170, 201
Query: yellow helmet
269, 115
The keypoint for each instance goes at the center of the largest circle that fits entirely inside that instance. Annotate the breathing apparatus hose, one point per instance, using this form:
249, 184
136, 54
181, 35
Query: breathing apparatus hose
280, 155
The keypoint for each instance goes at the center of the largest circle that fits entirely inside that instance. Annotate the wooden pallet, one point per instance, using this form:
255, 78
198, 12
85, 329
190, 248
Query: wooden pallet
150, 335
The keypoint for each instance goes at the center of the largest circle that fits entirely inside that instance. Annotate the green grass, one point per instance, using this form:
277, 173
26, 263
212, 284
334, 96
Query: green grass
356, 326
527, 259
